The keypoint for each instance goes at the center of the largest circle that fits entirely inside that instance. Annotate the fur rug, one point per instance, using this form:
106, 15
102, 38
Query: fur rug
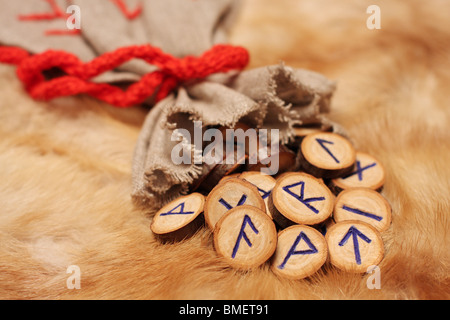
65, 178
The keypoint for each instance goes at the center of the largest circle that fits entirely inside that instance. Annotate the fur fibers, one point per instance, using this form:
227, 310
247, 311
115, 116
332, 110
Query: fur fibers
66, 181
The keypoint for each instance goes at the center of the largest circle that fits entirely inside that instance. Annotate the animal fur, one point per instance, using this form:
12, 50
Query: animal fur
65, 167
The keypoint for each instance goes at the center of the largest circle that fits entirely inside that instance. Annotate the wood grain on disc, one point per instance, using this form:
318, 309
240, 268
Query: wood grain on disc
245, 237
365, 205
354, 246
229, 194
327, 155
179, 218
299, 198
301, 251
368, 173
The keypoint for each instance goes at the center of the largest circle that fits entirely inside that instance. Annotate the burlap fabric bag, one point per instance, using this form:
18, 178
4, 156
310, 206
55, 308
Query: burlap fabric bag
273, 97
270, 97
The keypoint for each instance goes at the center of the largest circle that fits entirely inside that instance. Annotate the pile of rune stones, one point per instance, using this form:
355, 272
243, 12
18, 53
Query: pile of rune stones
323, 204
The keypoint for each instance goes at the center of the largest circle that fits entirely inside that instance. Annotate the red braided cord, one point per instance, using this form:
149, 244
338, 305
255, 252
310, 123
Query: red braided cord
172, 71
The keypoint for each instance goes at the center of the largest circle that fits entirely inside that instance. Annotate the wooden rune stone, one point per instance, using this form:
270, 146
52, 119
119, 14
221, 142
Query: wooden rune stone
245, 237
368, 173
354, 246
180, 218
327, 155
229, 194
301, 251
365, 205
299, 198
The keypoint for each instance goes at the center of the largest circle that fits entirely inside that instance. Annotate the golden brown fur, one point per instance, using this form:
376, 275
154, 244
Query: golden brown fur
65, 167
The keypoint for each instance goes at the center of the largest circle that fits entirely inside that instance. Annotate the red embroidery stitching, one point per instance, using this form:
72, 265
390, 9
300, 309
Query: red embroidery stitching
131, 15
56, 13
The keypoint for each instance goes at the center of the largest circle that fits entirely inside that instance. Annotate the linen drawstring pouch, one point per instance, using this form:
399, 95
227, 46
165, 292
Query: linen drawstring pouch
271, 97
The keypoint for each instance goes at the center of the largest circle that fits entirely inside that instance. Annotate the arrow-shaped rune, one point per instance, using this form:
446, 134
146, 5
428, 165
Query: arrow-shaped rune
355, 233
322, 144
301, 197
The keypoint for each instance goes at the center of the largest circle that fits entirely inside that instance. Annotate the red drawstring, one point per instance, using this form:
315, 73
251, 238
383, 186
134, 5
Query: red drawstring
172, 71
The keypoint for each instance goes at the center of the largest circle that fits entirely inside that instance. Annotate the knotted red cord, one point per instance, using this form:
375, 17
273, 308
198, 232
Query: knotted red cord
171, 72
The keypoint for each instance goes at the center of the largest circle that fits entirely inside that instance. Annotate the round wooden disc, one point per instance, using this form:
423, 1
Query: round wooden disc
300, 198
364, 205
263, 182
178, 214
327, 155
246, 237
301, 251
229, 194
368, 173
354, 246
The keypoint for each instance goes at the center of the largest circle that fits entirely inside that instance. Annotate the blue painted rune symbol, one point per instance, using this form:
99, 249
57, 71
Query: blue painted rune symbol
242, 234
229, 207
301, 197
355, 233
264, 194
322, 144
362, 213
359, 170
292, 251
171, 212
